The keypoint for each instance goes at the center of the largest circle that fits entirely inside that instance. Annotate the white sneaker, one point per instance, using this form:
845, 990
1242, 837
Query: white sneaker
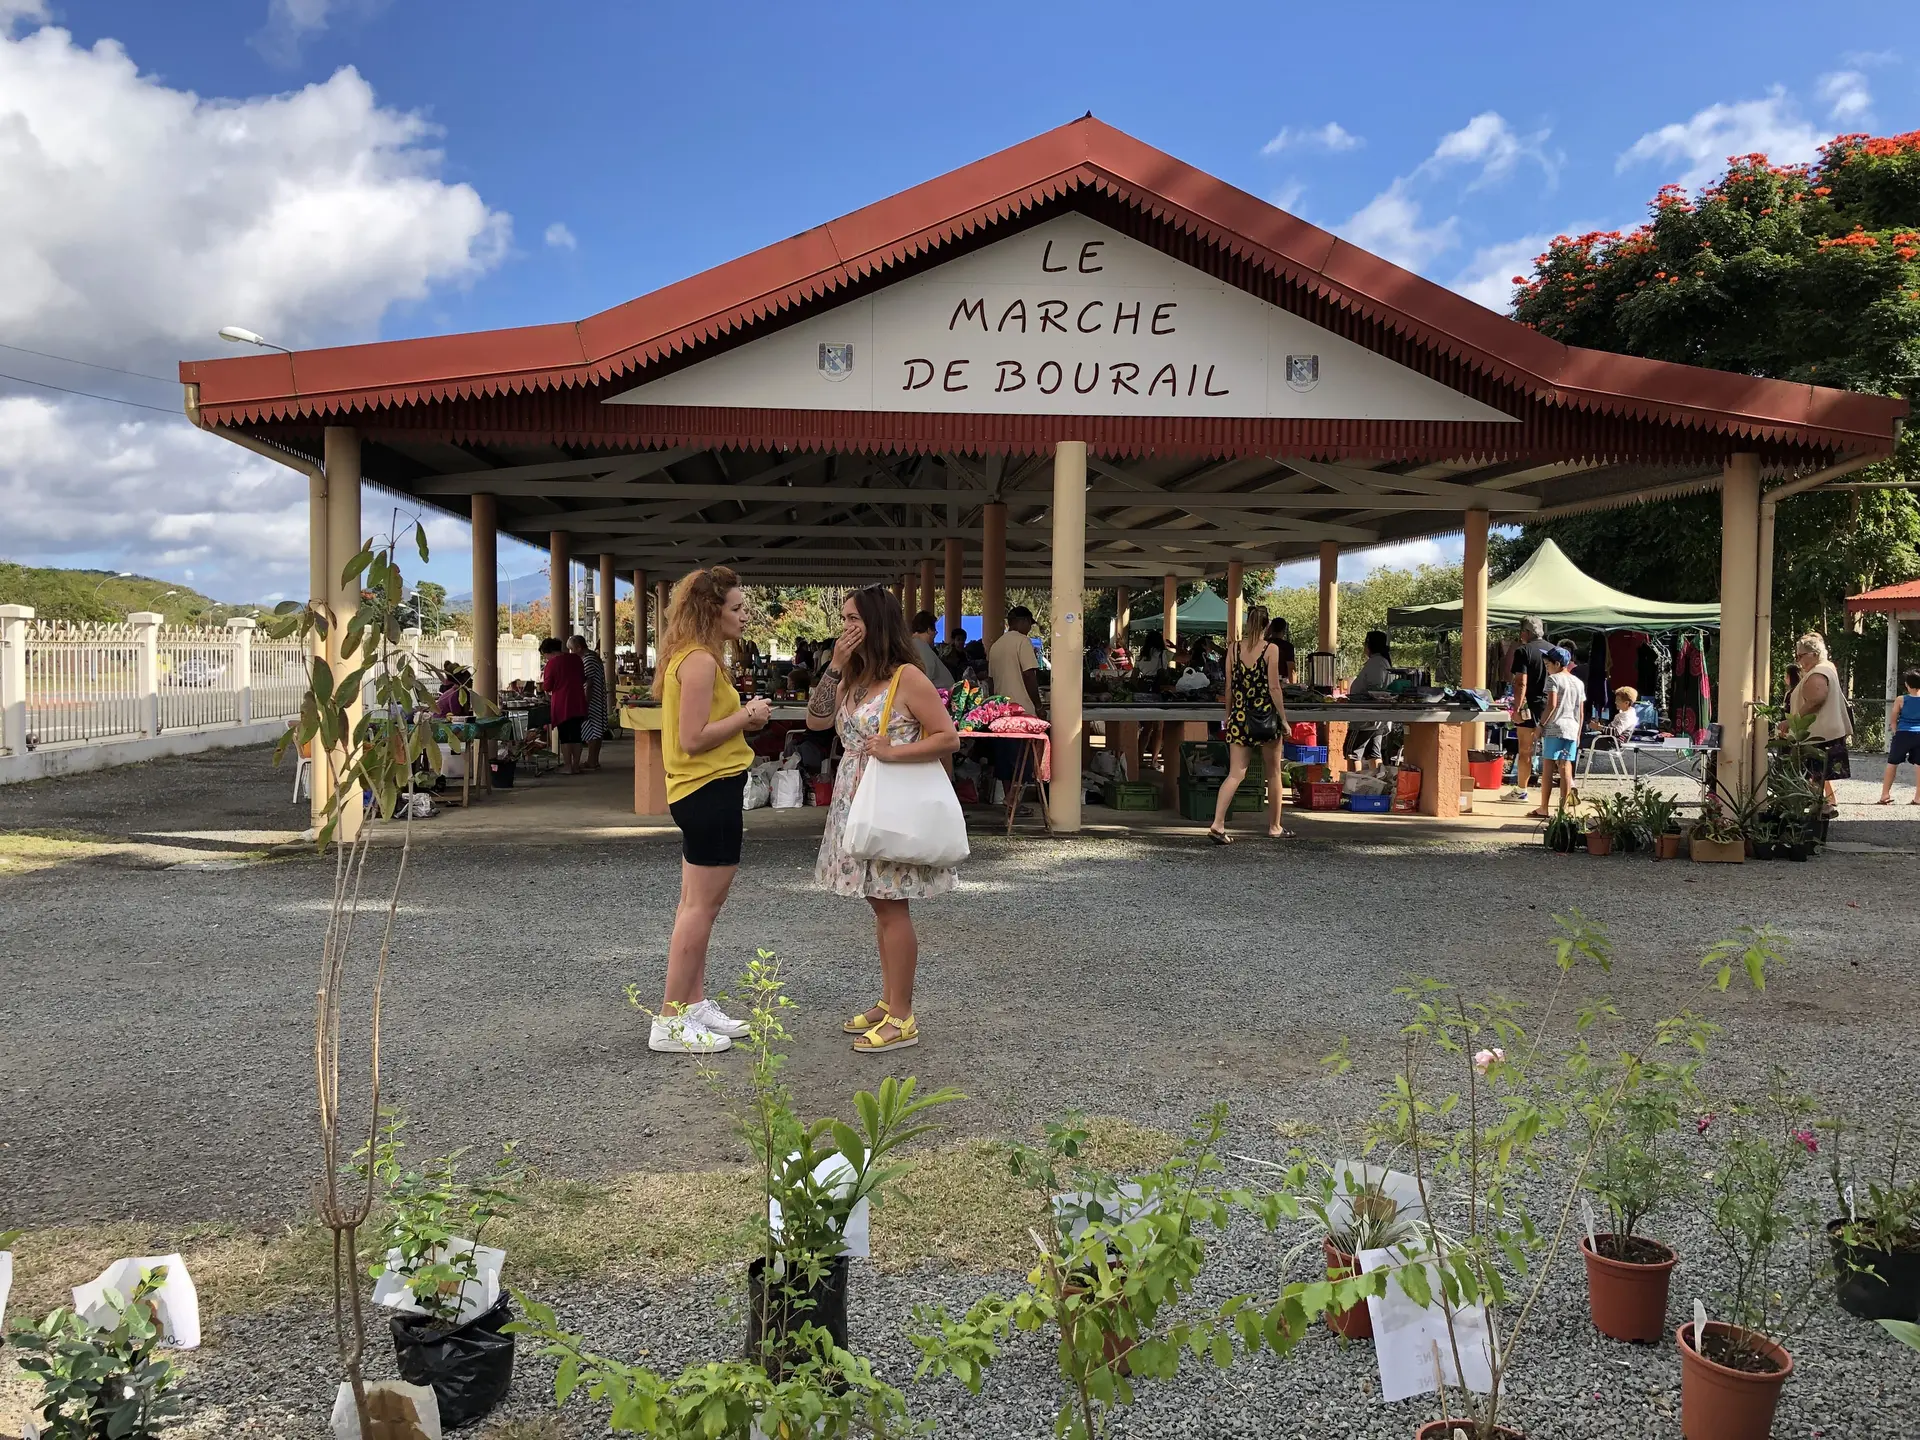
717, 1020
684, 1035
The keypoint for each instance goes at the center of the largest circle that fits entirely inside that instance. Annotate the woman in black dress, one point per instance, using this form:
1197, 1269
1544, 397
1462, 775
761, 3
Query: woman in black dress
1256, 716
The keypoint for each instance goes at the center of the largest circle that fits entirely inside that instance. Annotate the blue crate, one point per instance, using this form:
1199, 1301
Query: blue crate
1370, 804
1304, 754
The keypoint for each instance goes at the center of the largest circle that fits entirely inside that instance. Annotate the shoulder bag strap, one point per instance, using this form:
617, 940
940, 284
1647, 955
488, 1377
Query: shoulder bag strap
886, 710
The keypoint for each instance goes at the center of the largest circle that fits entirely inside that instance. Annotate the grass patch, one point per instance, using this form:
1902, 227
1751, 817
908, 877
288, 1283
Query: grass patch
42, 849
958, 1205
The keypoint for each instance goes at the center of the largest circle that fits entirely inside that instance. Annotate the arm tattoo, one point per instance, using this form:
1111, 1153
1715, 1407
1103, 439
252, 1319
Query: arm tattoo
825, 696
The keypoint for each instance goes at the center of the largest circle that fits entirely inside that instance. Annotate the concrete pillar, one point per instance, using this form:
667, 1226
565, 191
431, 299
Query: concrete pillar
559, 587
993, 570
1473, 620
903, 591
1894, 687
1067, 641
240, 629
319, 598
607, 613
661, 593
640, 619
486, 598
146, 667
926, 600
1739, 603
1329, 636
1170, 612
13, 677
342, 448
955, 599
1122, 614
1236, 599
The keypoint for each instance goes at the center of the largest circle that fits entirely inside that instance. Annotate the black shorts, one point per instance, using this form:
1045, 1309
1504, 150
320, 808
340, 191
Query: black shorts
570, 731
1904, 749
710, 821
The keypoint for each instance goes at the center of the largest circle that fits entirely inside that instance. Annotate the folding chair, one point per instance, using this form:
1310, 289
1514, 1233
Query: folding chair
1607, 744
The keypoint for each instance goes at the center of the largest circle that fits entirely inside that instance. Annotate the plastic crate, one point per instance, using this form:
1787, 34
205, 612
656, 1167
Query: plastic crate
1318, 795
1305, 754
1370, 804
1406, 791
1199, 797
1133, 795
1218, 755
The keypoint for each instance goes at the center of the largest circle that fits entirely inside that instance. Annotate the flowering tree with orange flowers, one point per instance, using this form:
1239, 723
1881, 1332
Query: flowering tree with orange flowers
1795, 272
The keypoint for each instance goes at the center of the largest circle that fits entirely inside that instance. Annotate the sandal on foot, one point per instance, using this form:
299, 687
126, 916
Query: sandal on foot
867, 1019
903, 1033
1219, 837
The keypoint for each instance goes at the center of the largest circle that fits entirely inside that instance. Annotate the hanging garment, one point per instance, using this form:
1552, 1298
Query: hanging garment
1646, 665
1599, 695
1623, 662
1692, 697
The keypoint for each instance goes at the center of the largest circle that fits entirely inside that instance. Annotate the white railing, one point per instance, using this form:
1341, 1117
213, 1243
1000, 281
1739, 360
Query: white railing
64, 684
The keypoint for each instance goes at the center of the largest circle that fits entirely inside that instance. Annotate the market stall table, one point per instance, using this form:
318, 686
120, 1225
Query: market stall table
649, 762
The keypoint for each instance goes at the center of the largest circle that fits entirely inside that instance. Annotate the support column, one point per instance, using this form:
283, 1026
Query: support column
486, 599
993, 571
240, 631
1122, 615
640, 598
319, 597
903, 594
1739, 605
607, 613
661, 594
559, 586
1236, 600
955, 605
342, 448
1473, 621
146, 667
926, 601
1894, 687
1329, 636
1067, 642
1170, 613
13, 677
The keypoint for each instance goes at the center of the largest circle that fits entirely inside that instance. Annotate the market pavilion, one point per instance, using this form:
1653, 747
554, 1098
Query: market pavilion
1078, 362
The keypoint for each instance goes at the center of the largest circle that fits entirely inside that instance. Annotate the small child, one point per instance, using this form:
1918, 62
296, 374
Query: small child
1903, 737
1625, 718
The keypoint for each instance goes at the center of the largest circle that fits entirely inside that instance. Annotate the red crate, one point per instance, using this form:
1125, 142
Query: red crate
1406, 791
1318, 795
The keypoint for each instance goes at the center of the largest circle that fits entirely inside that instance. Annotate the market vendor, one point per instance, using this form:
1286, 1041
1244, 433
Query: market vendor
1366, 740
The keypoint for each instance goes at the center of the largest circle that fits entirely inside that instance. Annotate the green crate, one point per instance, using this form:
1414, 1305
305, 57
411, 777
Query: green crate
1133, 795
1221, 754
1198, 797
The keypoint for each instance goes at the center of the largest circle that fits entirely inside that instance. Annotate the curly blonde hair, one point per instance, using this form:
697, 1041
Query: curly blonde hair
693, 619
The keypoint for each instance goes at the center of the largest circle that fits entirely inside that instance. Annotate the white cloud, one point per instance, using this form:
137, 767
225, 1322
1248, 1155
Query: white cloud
1331, 136
1703, 142
135, 220
1865, 59
560, 237
14, 12
1389, 226
1847, 97
1488, 278
1488, 141
1359, 564
1288, 195
291, 23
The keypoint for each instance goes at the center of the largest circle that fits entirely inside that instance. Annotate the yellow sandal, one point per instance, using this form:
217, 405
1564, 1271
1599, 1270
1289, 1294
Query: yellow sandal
906, 1033
867, 1019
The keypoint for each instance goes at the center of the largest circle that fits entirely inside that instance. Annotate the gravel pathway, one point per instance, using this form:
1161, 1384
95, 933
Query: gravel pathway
156, 1025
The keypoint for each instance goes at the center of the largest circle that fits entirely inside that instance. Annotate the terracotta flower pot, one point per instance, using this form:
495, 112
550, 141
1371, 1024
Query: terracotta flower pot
1599, 843
1357, 1323
1443, 1430
1667, 847
1628, 1299
1718, 1402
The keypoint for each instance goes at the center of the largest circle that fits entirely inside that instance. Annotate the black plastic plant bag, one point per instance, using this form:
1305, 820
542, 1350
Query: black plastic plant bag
470, 1367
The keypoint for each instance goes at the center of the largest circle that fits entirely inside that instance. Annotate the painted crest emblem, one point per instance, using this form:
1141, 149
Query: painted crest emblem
1303, 372
836, 361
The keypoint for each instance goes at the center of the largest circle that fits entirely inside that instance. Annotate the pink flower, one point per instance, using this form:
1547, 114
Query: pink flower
1700, 1125
1805, 1137
1486, 1059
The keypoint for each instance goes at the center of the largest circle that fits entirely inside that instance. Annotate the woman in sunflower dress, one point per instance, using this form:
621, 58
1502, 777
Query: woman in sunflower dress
1256, 717
850, 696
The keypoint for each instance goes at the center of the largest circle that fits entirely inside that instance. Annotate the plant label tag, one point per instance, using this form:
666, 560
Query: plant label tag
1699, 1323
1852, 1212
1586, 1214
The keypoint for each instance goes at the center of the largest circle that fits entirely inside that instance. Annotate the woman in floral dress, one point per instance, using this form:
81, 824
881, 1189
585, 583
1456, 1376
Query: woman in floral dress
850, 696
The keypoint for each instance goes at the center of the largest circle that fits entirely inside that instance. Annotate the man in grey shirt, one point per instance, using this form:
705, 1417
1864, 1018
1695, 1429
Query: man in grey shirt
930, 660
1366, 740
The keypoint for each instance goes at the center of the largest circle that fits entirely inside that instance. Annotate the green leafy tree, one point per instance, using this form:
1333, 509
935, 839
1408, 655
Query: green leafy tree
432, 600
1808, 273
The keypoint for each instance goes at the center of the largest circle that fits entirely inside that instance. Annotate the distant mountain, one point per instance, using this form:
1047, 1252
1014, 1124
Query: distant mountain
525, 589
101, 595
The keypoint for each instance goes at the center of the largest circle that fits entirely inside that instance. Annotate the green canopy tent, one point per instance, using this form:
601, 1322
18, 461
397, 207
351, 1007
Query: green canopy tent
1204, 614
1566, 598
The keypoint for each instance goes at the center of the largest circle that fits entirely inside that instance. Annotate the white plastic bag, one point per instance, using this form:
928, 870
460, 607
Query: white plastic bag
788, 789
836, 1173
1191, 680
395, 1407
759, 790
394, 1289
6, 1284
176, 1304
906, 812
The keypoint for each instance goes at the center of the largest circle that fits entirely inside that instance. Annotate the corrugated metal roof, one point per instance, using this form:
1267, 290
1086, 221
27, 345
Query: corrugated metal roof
1888, 598
1088, 165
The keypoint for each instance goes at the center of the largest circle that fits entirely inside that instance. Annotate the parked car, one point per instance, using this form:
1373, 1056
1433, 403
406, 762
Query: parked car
198, 674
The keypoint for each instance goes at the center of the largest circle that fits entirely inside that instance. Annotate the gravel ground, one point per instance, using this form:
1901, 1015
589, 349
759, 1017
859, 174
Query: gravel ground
156, 1023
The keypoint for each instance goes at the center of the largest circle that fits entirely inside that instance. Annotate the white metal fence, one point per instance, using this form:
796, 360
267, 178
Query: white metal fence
64, 684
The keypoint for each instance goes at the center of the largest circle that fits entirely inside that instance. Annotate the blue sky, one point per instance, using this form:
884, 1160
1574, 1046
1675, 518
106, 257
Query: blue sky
559, 159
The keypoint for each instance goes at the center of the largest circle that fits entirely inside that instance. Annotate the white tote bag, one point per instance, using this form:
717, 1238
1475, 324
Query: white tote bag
906, 812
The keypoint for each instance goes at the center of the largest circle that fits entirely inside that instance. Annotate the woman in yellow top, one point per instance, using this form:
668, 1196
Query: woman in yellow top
702, 729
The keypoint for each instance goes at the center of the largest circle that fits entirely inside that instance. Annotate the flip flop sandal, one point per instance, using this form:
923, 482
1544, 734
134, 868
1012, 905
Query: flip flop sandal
867, 1019
1219, 837
906, 1033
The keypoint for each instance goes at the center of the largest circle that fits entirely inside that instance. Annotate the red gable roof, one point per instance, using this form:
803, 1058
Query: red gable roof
908, 226
1888, 599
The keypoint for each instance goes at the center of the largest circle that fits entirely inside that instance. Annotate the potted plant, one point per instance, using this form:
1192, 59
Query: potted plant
1769, 1235
1631, 1107
101, 1383
1658, 821
1352, 1212
1876, 1239
435, 1269
1718, 836
1611, 823
1563, 832
1794, 804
